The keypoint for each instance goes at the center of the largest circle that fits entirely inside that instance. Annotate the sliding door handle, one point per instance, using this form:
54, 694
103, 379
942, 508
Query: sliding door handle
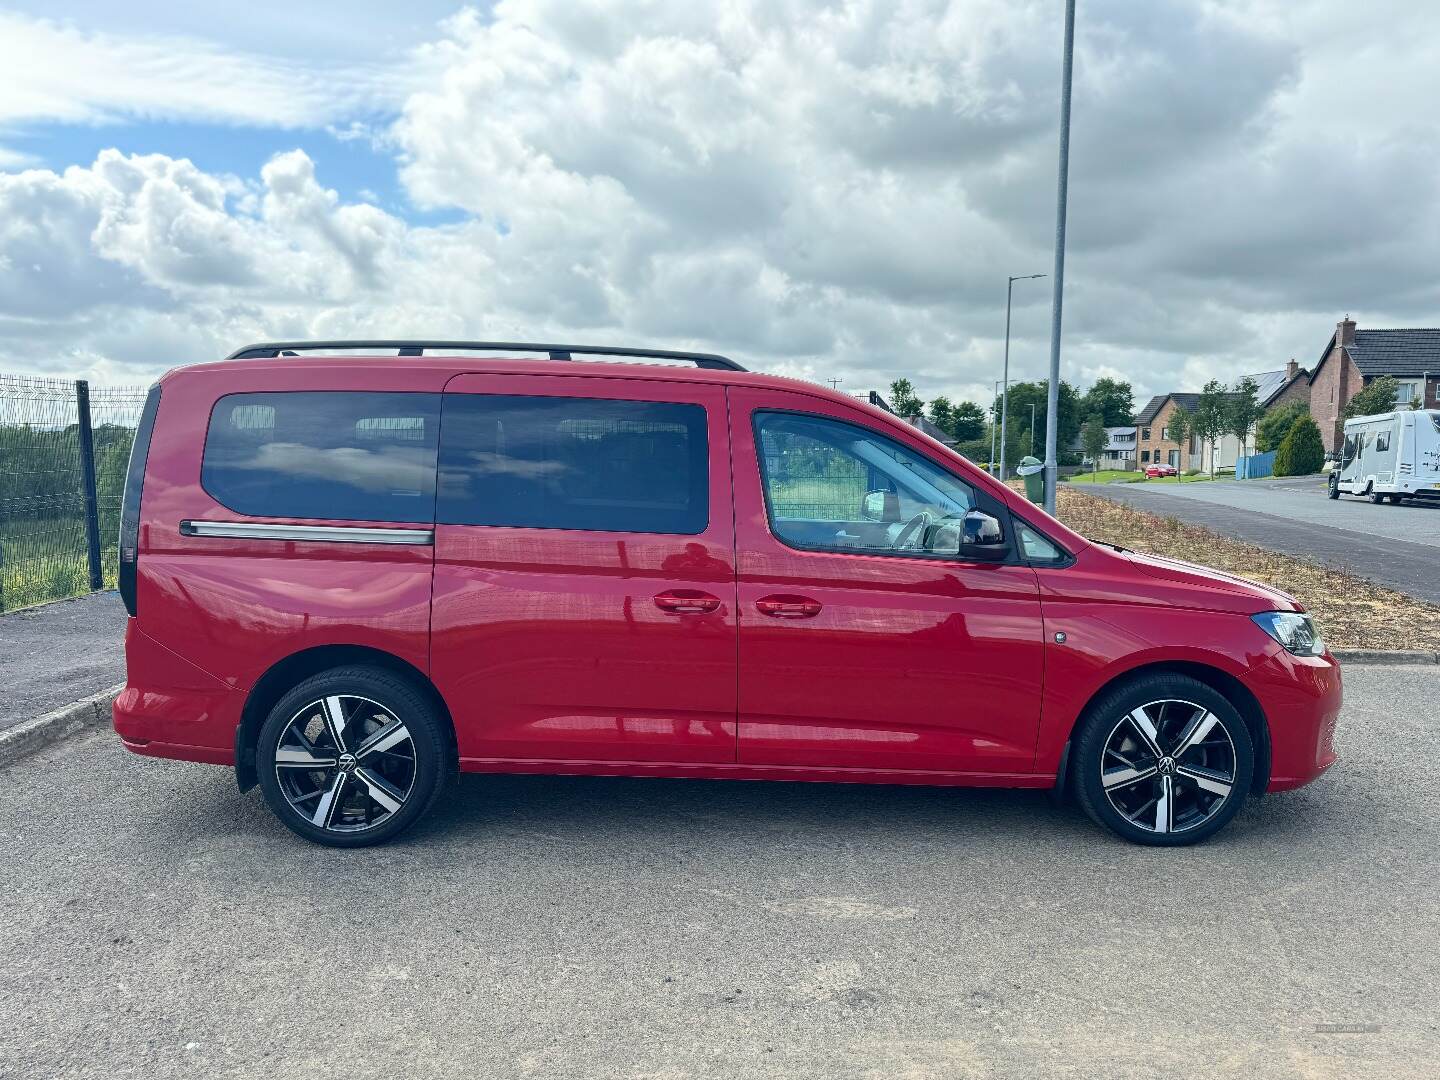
686, 602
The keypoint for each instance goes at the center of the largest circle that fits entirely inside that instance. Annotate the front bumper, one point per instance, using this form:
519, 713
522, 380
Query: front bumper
1301, 698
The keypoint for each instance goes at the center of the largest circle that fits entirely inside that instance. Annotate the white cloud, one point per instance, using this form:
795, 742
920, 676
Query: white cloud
819, 189
58, 72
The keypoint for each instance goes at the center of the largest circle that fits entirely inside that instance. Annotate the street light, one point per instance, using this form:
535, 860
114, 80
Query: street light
1052, 404
990, 465
1005, 400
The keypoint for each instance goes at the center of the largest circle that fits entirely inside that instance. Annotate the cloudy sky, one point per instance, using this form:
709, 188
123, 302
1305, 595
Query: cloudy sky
822, 189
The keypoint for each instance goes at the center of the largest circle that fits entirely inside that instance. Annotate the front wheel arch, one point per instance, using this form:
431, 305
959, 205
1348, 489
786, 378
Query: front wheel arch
294, 669
1222, 682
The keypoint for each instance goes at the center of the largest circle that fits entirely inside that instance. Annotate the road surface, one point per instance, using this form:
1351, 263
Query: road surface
160, 924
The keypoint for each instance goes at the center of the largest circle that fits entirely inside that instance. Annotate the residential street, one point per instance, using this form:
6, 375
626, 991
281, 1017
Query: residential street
1395, 546
162, 925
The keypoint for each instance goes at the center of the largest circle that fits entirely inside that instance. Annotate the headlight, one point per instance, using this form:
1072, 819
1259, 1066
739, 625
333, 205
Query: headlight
1296, 632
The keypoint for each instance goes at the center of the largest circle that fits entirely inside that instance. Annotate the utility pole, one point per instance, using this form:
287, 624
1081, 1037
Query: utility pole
993, 409
834, 383
1005, 397
1052, 410
1032, 429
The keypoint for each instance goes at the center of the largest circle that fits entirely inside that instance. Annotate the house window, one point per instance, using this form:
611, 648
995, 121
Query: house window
1406, 392
1145, 434
1165, 433
1144, 455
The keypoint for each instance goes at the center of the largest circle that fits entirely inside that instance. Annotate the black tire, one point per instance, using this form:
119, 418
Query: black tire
1374, 496
1191, 813
392, 776
1333, 491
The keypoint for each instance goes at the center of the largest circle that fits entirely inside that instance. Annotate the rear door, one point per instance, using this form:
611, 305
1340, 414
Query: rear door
584, 598
858, 647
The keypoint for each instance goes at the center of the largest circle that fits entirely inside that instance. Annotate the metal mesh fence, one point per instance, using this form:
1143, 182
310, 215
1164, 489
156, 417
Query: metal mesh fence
48, 517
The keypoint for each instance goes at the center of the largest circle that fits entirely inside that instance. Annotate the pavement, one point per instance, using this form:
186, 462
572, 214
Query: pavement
160, 924
58, 653
1394, 546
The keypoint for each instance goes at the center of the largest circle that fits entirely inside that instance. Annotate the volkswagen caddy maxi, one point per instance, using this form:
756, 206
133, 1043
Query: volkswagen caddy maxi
354, 569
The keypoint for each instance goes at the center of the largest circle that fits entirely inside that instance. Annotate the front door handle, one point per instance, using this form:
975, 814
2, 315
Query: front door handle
786, 606
686, 602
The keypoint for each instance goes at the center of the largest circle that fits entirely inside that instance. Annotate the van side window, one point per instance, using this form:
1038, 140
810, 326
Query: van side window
342, 456
574, 463
831, 485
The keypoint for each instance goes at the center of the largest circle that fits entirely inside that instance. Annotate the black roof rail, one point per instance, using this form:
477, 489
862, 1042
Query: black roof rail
265, 350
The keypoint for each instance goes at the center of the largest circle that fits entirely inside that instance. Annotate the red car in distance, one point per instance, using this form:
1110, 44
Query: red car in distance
350, 577
1158, 468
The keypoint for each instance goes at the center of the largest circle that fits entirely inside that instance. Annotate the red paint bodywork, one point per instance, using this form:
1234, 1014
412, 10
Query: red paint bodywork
724, 654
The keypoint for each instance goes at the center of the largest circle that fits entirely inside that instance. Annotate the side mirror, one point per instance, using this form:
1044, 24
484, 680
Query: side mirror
981, 537
880, 506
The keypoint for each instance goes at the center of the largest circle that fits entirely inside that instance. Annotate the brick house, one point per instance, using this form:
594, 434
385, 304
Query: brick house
1353, 358
1152, 441
1153, 422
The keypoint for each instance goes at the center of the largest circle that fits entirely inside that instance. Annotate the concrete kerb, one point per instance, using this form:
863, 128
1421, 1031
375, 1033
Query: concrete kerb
24, 739
1383, 656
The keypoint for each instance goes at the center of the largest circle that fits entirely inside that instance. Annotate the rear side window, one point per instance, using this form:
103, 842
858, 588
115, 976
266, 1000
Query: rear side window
574, 463
344, 456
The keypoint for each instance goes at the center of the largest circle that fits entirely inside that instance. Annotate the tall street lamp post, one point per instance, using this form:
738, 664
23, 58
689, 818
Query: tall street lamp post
1052, 410
1005, 398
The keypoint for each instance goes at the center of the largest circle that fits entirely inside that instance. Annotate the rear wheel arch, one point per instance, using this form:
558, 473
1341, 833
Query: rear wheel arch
1222, 682
287, 673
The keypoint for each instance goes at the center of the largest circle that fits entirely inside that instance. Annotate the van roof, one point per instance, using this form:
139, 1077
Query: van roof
1374, 418
436, 362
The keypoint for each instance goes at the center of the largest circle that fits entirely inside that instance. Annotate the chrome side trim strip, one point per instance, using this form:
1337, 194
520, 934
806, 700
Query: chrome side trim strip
334, 534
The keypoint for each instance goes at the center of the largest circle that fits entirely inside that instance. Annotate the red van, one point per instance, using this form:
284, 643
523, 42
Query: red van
351, 575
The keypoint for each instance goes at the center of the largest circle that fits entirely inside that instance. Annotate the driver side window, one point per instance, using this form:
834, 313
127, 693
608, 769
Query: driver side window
831, 485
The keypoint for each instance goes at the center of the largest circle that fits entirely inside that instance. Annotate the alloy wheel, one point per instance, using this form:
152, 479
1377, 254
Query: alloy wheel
1169, 766
345, 763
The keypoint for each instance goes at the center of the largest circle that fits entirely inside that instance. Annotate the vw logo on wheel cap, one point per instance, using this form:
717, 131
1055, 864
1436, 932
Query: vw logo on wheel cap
1165, 766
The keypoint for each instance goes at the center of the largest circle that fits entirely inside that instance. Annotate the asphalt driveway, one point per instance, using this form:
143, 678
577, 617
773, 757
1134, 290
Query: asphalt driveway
58, 653
159, 924
1395, 546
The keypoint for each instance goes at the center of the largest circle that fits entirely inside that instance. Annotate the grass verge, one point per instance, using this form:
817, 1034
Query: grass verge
1353, 613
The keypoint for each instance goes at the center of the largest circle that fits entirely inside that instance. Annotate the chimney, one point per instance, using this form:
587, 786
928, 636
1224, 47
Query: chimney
1291, 369
1345, 331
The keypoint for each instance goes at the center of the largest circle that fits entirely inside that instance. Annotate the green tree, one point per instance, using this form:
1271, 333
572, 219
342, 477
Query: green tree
903, 399
942, 414
1112, 399
1025, 394
967, 421
1243, 409
1180, 425
1209, 422
1276, 424
1093, 440
1301, 452
1378, 397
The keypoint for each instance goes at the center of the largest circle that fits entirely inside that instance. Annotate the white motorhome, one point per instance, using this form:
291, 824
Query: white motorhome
1391, 456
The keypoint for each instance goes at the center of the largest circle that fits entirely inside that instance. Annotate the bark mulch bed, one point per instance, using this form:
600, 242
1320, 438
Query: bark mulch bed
1353, 613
